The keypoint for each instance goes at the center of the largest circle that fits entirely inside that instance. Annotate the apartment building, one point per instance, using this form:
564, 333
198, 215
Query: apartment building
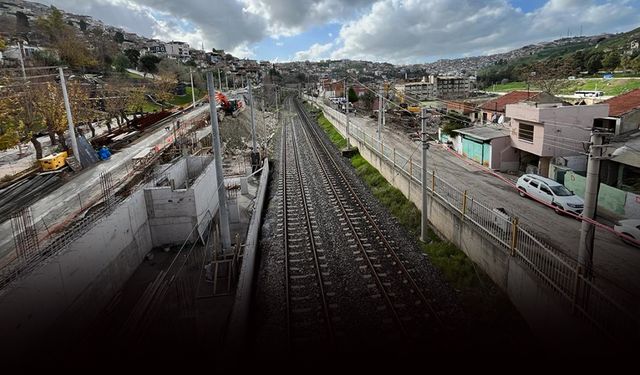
541, 132
177, 50
439, 86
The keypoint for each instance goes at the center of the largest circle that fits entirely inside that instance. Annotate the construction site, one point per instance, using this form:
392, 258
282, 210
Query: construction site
126, 246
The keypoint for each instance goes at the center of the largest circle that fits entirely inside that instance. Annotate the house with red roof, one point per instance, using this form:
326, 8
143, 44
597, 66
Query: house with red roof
625, 109
494, 109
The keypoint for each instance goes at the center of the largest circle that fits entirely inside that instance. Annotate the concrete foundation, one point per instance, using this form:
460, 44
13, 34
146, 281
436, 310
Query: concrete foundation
57, 300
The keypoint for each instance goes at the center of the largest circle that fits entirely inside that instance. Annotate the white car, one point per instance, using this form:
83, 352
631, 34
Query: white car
550, 192
629, 227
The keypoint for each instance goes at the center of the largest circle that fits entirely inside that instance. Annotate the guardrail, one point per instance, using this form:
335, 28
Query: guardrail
560, 273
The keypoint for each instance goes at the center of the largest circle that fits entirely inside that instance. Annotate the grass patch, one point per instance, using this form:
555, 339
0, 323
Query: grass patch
610, 87
186, 99
511, 86
133, 75
150, 107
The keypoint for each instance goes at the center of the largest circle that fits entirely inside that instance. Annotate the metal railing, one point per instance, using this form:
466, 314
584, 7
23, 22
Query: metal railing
554, 269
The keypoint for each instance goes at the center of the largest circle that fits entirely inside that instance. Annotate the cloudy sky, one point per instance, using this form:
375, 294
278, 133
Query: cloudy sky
397, 31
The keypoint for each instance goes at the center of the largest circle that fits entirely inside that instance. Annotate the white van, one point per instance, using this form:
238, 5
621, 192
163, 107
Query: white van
550, 192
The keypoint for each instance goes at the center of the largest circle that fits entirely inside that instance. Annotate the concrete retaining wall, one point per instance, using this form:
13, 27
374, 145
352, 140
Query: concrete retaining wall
73, 286
173, 213
547, 314
67, 291
236, 333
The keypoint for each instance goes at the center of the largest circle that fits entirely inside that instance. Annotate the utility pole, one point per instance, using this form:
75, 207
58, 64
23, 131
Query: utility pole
425, 206
384, 109
193, 92
217, 151
264, 121
379, 114
226, 81
24, 72
28, 101
219, 81
67, 107
255, 154
277, 111
346, 112
587, 230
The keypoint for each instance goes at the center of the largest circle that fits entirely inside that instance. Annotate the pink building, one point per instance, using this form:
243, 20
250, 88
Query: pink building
541, 132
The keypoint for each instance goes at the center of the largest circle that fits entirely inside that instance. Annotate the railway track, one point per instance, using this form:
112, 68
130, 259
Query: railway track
309, 321
391, 284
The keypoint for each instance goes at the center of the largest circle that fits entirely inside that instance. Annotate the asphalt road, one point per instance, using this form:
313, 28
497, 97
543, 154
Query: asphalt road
617, 264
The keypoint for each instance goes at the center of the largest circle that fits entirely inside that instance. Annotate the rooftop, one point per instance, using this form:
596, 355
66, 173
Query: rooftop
499, 104
484, 133
624, 103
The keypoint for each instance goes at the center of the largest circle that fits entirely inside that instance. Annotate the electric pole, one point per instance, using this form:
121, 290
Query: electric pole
425, 206
346, 112
217, 153
379, 114
193, 91
587, 230
255, 154
67, 107
277, 111
384, 109
226, 81
219, 81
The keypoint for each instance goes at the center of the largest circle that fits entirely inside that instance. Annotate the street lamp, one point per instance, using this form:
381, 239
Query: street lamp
531, 74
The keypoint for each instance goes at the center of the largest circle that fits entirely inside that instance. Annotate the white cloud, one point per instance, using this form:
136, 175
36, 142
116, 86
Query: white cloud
243, 51
405, 31
400, 31
316, 52
292, 17
279, 44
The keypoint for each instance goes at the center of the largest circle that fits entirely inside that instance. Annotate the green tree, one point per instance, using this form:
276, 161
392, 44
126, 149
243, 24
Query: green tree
11, 127
594, 63
578, 61
611, 61
133, 55
121, 63
353, 97
454, 121
367, 99
118, 37
63, 38
22, 23
149, 64
3, 45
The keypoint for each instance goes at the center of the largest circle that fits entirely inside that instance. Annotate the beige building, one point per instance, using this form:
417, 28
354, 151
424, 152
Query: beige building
439, 86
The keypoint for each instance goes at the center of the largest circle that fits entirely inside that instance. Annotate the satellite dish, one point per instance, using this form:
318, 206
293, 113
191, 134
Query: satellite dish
501, 119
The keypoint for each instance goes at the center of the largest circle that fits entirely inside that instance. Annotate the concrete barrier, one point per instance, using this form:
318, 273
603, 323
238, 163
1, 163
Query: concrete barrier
237, 328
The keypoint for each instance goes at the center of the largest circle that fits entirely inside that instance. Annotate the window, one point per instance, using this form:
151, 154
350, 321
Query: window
525, 132
561, 191
545, 190
534, 184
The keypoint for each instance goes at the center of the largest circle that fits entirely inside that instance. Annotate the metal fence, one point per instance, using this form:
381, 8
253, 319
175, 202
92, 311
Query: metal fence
559, 272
